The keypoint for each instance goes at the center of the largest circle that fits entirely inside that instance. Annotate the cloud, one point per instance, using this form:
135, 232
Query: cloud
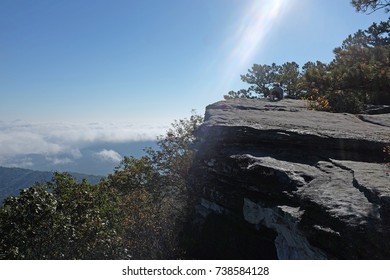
109, 155
61, 143
24, 162
59, 161
16, 142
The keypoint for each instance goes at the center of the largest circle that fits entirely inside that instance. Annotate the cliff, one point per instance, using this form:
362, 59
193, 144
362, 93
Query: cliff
275, 180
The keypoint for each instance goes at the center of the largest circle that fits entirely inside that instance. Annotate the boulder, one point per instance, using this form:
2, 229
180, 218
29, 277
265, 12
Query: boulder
303, 184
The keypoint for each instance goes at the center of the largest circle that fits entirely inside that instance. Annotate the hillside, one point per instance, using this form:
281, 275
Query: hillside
12, 180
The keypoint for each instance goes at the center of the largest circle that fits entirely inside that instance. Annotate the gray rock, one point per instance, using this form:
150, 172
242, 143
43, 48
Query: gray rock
290, 242
320, 181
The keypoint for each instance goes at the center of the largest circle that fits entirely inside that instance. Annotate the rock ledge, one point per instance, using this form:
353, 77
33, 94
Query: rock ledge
308, 184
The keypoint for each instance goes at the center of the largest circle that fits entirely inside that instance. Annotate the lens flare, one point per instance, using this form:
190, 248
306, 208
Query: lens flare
258, 20
255, 25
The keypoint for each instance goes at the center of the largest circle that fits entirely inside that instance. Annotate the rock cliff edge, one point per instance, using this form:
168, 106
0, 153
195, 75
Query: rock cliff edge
275, 180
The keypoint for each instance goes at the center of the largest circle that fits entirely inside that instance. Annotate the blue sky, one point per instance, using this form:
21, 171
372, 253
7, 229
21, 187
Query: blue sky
152, 60
147, 62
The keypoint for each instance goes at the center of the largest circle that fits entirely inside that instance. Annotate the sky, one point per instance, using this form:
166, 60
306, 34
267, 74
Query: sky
78, 73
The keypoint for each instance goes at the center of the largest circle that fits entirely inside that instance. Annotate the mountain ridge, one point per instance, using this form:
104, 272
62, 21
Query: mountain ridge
14, 179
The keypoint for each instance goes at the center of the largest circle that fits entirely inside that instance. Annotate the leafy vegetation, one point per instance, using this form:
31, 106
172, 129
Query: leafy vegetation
263, 77
13, 179
370, 5
138, 212
61, 220
359, 74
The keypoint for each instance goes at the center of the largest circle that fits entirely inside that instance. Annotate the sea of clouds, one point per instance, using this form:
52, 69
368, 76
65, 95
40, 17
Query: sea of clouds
93, 148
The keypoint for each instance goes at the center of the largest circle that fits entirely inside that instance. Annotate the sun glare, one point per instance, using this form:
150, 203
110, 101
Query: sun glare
257, 21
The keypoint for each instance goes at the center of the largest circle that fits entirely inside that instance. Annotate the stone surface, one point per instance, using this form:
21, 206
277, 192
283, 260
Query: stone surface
319, 181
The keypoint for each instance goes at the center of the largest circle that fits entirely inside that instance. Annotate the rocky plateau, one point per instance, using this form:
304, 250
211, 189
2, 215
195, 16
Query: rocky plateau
274, 180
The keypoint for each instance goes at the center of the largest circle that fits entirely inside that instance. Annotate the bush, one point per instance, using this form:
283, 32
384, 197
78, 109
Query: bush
344, 102
337, 102
154, 194
61, 220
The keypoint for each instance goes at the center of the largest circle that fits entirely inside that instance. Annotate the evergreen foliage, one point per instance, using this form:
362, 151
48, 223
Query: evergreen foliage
359, 74
371, 5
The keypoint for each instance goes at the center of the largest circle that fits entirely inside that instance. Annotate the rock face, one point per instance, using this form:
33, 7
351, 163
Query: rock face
275, 180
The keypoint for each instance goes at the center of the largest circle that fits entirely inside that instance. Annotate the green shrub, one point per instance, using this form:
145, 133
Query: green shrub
344, 102
337, 101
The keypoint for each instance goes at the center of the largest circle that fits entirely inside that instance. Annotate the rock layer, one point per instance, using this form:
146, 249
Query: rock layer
315, 185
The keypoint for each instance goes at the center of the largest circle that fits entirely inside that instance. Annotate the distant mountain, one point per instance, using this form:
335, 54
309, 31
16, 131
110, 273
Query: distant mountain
12, 180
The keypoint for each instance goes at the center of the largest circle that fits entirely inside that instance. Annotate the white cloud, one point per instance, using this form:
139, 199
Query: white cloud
58, 160
17, 142
109, 155
61, 143
24, 162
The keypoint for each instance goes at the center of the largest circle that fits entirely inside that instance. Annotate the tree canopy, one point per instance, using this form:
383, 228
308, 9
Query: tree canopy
359, 74
262, 79
362, 65
371, 5
61, 220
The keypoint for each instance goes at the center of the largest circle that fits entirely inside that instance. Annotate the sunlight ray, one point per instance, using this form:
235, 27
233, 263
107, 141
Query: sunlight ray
259, 19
